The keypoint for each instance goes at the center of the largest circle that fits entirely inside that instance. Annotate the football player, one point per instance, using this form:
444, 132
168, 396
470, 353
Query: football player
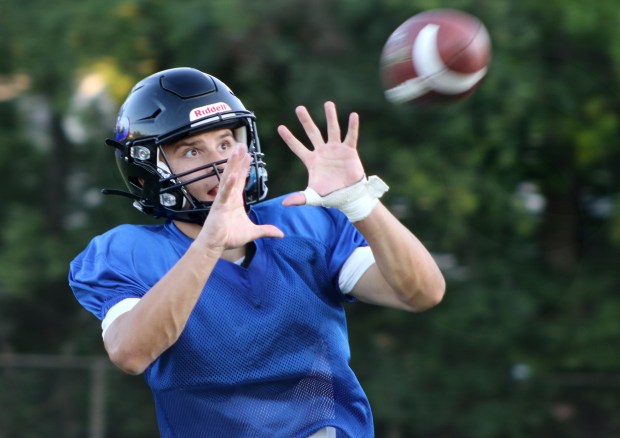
232, 307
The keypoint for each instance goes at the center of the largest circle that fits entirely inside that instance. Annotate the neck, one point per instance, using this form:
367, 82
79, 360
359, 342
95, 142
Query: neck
192, 231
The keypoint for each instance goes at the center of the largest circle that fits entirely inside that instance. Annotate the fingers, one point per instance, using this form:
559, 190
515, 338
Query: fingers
312, 131
297, 198
269, 231
236, 170
352, 131
297, 147
333, 127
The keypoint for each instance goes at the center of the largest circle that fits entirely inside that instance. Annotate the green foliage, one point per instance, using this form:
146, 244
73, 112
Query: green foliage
523, 344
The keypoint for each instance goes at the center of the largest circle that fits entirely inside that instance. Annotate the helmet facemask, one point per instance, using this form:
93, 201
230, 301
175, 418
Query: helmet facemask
176, 184
174, 193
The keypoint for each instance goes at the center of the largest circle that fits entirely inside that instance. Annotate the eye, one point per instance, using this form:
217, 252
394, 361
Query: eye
225, 144
190, 152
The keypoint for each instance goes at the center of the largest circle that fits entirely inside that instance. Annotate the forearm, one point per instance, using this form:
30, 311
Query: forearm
404, 262
135, 339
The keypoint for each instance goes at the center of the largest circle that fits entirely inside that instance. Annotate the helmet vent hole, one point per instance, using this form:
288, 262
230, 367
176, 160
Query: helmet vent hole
152, 116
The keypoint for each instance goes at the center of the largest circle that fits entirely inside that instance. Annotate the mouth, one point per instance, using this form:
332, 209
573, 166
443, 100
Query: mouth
213, 191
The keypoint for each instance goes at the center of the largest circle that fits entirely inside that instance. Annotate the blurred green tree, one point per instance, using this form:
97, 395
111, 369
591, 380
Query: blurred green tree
514, 189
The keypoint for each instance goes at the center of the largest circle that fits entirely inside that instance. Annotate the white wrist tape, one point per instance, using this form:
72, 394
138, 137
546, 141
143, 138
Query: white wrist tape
356, 201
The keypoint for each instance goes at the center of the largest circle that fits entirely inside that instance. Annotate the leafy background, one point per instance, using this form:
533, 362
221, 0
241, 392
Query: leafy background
514, 190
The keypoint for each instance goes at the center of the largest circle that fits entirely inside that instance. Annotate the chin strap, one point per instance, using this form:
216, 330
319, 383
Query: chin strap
356, 201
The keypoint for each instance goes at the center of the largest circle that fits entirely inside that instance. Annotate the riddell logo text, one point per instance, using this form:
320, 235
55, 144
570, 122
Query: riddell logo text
207, 110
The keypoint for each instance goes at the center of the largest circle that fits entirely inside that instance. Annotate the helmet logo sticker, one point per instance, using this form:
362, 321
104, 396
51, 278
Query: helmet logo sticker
207, 110
122, 128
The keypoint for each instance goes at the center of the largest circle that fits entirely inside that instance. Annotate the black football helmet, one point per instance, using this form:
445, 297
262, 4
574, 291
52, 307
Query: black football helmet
163, 108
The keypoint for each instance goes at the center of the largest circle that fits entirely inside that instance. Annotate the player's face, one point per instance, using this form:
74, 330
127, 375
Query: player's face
200, 150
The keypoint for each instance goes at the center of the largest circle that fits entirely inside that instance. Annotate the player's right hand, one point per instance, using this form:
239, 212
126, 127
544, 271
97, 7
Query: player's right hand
227, 225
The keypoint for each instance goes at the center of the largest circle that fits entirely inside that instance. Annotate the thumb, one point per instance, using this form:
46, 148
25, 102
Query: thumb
270, 231
297, 198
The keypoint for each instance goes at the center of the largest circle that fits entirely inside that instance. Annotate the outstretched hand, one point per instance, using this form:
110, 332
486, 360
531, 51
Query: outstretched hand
227, 225
332, 164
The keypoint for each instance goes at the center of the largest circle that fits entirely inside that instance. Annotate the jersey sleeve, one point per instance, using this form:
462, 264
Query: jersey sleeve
345, 240
327, 228
105, 273
356, 265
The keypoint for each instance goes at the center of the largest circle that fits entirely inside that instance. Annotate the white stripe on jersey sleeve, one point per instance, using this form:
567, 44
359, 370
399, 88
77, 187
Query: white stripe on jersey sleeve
326, 432
117, 310
358, 262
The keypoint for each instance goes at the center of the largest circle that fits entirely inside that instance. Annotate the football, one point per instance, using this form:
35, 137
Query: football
439, 55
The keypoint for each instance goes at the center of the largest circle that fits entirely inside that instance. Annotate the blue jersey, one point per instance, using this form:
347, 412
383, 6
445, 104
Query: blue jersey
265, 351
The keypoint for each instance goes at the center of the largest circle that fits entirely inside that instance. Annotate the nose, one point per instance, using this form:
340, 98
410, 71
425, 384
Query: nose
219, 168
215, 155
219, 153
217, 163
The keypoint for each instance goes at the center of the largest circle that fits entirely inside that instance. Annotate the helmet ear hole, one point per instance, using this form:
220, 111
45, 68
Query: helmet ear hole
136, 182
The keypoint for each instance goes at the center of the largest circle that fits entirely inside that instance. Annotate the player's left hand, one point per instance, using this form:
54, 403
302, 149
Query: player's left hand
332, 164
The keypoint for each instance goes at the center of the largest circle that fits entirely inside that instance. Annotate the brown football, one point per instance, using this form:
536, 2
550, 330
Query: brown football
436, 55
